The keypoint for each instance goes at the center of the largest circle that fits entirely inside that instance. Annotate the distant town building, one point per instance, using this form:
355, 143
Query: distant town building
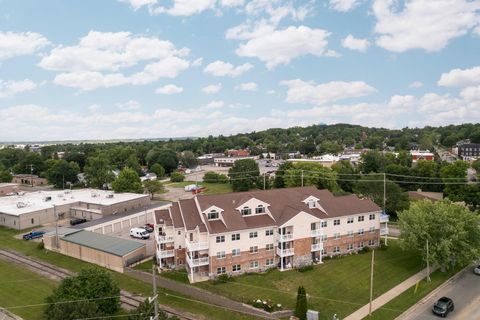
238, 153
208, 158
8, 189
326, 160
466, 150
421, 195
421, 155
29, 179
229, 161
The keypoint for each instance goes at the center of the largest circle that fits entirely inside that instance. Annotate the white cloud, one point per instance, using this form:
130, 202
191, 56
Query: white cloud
460, 77
169, 89
343, 5
82, 65
14, 44
423, 24
232, 3
137, 4
129, 105
213, 88
308, 92
352, 43
11, 87
185, 7
248, 86
271, 92
416, 84
215, 104
281, 46
221, 69
197, 62
471, 94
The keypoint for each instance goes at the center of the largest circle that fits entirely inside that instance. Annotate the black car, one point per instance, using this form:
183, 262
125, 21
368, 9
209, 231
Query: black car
443, 306
77, 221
148, 227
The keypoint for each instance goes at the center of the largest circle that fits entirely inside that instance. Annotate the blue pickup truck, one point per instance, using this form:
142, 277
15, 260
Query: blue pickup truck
33, 235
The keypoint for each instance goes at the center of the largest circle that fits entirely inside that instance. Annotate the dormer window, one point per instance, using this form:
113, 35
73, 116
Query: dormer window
246, 211
260, 209
312, 204
212, 215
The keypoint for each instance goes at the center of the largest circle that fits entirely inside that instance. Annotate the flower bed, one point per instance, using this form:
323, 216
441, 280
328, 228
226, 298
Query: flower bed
266, 305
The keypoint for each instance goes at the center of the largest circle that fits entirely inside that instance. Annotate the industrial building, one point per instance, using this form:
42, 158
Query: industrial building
8, 189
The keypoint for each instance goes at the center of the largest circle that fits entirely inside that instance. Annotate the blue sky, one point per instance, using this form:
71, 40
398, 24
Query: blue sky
110, 69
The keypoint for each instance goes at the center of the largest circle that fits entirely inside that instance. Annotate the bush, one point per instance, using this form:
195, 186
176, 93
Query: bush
305, 268
177, 176
301, 305
266, 305
364, 250
223, 278
215, 177
41, 245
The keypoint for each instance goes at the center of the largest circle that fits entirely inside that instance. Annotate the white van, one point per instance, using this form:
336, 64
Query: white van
139, 233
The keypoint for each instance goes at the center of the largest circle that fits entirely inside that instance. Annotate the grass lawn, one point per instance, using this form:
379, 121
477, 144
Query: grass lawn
19, 287
339, 285
407, 299
166, 297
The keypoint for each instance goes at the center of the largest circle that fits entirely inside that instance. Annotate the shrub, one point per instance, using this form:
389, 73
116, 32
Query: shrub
305, 268
177, 177
365, 250
215, 177
301, 306
41, 245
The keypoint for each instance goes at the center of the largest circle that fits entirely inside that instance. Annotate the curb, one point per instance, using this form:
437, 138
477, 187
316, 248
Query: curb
432, 293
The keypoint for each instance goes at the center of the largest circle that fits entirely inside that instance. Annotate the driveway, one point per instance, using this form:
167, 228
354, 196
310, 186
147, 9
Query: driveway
465, 293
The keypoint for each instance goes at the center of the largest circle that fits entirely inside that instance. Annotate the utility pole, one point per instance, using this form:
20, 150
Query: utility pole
57, 243
371, 283
385, 202
264, 174
154, 299
428, 265
146, 215
302, 178
31, 174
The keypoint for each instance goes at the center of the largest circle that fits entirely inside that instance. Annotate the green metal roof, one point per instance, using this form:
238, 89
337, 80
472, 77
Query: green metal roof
112, 245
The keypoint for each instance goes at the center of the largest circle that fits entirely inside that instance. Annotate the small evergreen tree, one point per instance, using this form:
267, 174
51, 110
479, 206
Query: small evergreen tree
301, 306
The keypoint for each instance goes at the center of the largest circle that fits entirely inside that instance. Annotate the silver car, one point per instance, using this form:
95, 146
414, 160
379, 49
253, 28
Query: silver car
476, 270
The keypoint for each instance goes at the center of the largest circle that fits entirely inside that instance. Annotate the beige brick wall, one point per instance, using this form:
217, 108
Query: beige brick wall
244, 260
345, 240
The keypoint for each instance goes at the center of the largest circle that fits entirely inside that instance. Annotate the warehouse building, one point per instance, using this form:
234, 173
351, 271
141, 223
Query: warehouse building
32, 209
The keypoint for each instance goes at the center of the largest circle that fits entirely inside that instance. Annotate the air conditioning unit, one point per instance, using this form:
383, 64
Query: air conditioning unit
21, 204
47, 198
110, 195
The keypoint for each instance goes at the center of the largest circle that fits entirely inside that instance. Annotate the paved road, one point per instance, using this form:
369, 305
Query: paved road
465, 292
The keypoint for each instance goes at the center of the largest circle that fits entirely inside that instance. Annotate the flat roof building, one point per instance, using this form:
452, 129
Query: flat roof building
8, 189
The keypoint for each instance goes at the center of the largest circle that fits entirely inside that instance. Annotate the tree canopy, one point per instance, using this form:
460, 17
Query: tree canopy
98, 171
243, 174
61, 172
127, 181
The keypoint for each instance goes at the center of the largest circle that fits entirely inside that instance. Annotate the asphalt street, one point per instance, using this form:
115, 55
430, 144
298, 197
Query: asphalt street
465, 293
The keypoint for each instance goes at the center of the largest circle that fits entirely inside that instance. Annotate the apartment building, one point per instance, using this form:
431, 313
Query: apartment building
253, 231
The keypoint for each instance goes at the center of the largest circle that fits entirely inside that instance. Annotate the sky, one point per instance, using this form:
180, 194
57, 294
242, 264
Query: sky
132, 69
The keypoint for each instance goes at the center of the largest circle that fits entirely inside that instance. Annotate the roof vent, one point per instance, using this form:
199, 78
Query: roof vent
109, 195
21, 205
47, 198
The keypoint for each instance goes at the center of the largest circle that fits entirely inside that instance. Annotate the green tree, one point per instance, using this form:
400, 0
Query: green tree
98, 292
177, 176
279, 181
165, 157
346, 172
188, 159
5, 176
371, 161
152, 187
476, 166
243, 174
145, 311
455, 173
312, 174
127, 181
371, 186
98, 171
158, 170
62, 172
301, 307
451, 231
215, 177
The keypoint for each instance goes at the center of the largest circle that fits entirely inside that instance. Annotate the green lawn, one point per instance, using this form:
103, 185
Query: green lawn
338, 286
20, 287
166, 297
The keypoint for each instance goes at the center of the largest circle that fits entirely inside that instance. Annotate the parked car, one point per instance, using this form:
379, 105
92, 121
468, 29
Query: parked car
476, 270
33, 235
77, 221
139, 233
443, 306
149, 227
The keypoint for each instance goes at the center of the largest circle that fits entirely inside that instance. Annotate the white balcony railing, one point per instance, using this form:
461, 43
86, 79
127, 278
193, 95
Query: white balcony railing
317, 233
197, 262
284, 237
165, 253
383, 231
196, 246
285, 252
165, 239
317, 247
384, 218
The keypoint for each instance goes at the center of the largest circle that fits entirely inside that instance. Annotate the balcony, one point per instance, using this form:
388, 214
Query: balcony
383, 231
165, 239
284, 237
317, 247
285, 252
384, 218
317, 233
196, 246
198, 262
165, 253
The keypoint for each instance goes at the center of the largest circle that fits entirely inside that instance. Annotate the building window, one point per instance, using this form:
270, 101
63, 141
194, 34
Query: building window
213, 215
33, 221
336, 249
221, 255
246, 211
269, 262
221, 270
336, 236
350, 246
179, 232
324, 224
253, 264
361, 218
220, 239
311, 204
260, 209
336, 222
254, 234
179, 247
313, 226
360, 232
269, 247
235, 236
350, 233
360, 245
372, 216
269, 232
371, 242
350, 220
372, 229
324, 237
236, 268
235, 252
254, 249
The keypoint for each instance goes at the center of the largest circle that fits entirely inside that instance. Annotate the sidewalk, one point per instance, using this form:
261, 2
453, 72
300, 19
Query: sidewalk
389, 295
